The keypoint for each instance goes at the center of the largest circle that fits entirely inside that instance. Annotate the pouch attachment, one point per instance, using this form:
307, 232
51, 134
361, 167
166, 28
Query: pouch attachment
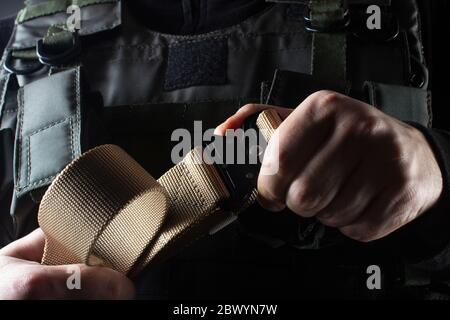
404, 103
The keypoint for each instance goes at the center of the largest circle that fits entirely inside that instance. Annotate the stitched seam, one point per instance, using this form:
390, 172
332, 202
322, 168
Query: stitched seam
71, 138
20, 138
28, 160
36, 183
4, 85
71, 142
78, 107
52, 124
429, 109
186, 173
195, 188
178, 187
10, 111
29, 164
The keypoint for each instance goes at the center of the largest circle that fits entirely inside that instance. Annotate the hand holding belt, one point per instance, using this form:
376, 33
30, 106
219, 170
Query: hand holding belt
105, 209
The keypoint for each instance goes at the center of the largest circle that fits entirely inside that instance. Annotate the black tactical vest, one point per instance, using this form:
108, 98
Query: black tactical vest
117, 82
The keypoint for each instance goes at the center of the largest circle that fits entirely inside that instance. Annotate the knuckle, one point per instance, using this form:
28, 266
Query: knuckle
370, 126
304, 198
326, 97
322, 105
329, 98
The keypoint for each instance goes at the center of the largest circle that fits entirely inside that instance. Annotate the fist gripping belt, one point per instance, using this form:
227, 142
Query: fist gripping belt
105, 209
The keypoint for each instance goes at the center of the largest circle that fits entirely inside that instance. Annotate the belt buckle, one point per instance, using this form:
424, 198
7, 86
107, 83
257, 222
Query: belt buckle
239, 178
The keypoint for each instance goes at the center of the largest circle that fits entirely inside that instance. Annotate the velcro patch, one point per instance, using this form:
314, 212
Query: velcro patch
196, 63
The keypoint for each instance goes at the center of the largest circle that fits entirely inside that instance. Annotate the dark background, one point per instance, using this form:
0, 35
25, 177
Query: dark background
10, 7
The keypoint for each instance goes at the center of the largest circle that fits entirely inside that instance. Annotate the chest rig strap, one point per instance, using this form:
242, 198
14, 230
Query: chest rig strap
104, 209
328, 20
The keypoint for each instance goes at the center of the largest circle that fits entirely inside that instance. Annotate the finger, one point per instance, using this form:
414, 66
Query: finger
384, 215
30, 247
352, 200
318, 184
298, 139
79, 282
236, 121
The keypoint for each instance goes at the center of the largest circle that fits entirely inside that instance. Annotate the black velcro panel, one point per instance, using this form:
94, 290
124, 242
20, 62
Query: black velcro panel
197, 63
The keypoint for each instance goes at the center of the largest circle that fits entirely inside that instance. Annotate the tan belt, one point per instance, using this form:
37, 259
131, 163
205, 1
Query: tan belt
105, 209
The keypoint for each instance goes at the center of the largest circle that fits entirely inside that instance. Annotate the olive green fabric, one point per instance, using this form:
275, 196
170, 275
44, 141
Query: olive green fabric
105, 15
329, 52
48, 124
58, 38
53, 6
25, 54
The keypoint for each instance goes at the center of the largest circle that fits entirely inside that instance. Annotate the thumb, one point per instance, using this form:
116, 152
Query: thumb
30, 247
235, 121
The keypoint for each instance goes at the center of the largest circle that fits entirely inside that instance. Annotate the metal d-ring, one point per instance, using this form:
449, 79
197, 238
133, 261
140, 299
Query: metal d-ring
11, 68
60, 58
335, 27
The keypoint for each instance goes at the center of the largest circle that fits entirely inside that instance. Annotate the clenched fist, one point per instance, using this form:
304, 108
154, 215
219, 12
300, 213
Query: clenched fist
348, 164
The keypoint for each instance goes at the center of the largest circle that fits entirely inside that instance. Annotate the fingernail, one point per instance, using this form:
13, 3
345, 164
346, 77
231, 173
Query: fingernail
218, 131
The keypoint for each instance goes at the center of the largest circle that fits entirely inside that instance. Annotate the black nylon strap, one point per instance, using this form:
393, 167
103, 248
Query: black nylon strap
329, 50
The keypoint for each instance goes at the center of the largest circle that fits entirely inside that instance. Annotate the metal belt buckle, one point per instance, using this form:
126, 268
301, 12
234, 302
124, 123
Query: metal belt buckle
239, 178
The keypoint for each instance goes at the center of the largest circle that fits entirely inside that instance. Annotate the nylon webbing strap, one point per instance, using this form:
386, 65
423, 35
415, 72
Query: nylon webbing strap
54, 6
101, 202
57, 39
105, 209
329, 51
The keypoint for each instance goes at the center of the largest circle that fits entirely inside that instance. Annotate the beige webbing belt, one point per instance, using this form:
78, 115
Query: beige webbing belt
105, 209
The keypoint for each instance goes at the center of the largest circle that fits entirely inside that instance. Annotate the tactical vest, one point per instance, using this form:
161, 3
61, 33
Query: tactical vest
115, 81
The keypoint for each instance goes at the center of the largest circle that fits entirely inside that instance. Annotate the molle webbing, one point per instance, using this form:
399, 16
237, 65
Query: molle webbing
54, 6
105, 209
329, 49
